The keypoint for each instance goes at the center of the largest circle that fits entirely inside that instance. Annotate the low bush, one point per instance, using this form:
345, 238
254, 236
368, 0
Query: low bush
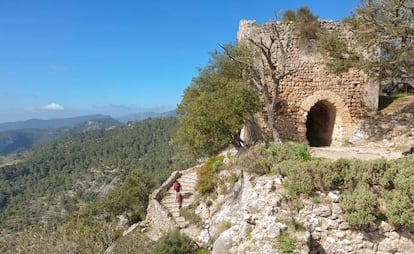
309, 176
290, 151
208, 175
286, 244
257, 160
360, 207
175, 243
399, 196
364, 184
136, 216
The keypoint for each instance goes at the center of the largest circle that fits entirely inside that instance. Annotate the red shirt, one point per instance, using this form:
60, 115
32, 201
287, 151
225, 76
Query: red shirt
177, 186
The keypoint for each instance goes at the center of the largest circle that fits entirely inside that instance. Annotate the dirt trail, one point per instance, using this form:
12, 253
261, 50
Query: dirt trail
362, 153
390, 141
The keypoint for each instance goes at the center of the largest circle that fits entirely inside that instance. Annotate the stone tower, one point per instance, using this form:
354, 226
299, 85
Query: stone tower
317, 105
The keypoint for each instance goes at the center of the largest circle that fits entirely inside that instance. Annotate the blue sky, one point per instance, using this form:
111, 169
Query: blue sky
76, 57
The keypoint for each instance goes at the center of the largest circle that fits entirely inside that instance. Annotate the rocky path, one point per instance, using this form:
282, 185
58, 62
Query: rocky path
188, 182
362, 153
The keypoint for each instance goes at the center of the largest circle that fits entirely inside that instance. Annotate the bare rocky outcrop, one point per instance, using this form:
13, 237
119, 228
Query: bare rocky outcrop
258, 211
255, 213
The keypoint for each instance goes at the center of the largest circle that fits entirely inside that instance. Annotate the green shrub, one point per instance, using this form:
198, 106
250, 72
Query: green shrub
294, 224
336, 50
200, 251
288, 16
136, 216
359, 171
117, 233
232, 178
394, 170
135, 242
300, 180
309, 176
208, 175
307, 24
399, 197
360, 208
175, 243
283, 168
290, 151
286, 243
257, 160
400, 208
326, 176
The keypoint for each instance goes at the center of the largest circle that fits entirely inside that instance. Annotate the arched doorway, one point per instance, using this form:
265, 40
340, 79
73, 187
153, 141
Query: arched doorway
320, 123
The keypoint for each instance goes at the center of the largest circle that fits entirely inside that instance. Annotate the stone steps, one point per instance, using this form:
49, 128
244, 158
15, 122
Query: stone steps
188, 182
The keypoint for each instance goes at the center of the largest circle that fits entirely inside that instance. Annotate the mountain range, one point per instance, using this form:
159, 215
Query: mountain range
23, 135
145, 115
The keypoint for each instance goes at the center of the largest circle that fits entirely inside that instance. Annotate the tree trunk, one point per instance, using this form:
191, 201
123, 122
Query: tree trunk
271, 125
270, 108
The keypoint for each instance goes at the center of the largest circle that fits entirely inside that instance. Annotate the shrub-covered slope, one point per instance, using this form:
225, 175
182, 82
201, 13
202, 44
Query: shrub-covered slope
59, 176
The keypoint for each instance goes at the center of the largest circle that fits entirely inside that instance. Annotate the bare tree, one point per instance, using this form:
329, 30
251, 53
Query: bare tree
266, 64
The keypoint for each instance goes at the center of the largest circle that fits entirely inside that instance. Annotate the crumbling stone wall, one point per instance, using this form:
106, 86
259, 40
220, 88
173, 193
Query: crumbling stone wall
348, 97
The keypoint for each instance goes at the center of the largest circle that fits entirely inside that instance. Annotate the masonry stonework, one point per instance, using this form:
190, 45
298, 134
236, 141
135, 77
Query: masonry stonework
317, 105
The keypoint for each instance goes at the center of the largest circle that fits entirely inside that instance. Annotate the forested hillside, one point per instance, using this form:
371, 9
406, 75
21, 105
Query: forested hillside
58, 177
20, 140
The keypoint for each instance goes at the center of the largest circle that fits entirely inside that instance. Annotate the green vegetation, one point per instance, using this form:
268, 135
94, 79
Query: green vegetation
286, 243
365, 184
73, 171
360, 206
385, 29
341, 59
175, 243
13, 141
131, 197
293, 224
133, 243
66, 195
306, 24
215, 106
207, 175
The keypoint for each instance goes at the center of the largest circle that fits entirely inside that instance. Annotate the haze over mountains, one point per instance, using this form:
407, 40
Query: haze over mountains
62, 122
23, 135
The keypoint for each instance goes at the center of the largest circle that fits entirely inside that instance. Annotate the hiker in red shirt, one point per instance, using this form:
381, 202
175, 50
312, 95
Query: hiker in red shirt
178, 197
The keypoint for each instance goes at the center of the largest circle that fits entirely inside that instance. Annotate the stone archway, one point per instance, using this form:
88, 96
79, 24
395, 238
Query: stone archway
325, 119
320, 123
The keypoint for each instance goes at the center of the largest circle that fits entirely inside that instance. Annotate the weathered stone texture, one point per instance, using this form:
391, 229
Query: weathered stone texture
261, 212
351, 93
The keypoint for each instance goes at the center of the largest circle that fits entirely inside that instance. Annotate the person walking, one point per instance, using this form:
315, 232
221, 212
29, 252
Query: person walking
177, 187
178, 196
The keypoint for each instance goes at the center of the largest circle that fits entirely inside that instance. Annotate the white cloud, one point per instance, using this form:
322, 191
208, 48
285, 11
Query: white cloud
53, 106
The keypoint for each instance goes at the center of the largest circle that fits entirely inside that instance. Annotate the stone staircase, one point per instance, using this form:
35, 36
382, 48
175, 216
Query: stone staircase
188, 181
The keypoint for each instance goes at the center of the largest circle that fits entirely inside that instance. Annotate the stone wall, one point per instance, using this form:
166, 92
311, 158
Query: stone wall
159, 220
350, 95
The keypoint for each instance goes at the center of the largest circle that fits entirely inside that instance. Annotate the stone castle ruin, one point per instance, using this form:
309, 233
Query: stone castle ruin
317, 105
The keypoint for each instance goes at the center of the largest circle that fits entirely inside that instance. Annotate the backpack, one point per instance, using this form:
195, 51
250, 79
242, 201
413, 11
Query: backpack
177, 187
